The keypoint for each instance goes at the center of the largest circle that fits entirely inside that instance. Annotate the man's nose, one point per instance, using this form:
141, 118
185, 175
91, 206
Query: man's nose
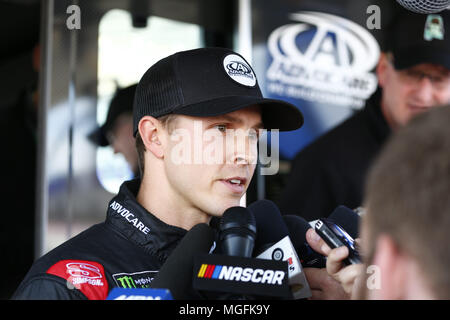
245, 151
425, 90
241, 160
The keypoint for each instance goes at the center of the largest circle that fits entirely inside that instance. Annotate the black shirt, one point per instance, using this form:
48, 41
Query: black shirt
126, 250
331, 171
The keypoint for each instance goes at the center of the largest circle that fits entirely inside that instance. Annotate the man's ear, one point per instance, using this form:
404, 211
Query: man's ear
390, 259
150, 130
381, 70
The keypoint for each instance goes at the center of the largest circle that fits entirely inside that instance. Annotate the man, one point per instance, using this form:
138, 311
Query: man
184, 105
413, 76
405, 230
117, 131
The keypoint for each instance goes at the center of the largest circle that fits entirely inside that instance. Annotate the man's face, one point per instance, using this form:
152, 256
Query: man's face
411, 91
210, 161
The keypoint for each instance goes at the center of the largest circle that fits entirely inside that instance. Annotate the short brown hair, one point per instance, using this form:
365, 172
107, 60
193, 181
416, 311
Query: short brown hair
167, 122
408, 195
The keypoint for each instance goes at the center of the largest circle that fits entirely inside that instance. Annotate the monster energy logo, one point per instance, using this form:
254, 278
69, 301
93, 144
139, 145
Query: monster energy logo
126, 282
134, 280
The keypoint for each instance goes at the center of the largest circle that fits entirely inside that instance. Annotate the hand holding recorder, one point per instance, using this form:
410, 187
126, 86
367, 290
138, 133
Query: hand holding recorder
343, 262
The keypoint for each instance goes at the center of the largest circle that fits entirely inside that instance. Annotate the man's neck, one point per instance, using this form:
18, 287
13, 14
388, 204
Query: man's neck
159, 200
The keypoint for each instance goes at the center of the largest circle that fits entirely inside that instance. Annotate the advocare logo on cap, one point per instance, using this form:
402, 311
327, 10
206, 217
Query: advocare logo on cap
239, 70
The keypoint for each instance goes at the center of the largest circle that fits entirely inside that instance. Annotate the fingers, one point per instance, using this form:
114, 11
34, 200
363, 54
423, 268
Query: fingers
315, 277
335, 258
323, 286
315, 280
316, 242
348, 275
345, 275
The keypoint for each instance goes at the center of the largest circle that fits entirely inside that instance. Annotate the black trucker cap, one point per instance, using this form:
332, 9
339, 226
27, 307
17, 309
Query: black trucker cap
121, 103
415, 38
207, 82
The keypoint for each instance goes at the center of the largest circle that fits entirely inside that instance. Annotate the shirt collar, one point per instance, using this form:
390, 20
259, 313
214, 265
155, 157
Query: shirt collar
140, 226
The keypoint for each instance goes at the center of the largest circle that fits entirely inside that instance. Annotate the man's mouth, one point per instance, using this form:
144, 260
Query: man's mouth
235, 184
418, 108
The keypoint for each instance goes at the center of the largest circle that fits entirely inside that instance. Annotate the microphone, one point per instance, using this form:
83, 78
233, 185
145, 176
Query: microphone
139, 294
348, 219
270, 228
297, 229
424, 6
177, 272
237, 232
235, 274
273, 243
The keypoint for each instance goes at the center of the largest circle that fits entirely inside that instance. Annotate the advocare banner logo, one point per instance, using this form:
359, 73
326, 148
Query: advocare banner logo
322, 58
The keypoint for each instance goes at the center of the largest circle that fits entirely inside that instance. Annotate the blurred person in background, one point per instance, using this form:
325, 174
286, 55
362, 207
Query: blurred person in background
117, 131
413, 76
404, 235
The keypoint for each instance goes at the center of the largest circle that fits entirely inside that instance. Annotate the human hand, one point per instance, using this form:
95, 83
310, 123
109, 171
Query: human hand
323, 286
336, 269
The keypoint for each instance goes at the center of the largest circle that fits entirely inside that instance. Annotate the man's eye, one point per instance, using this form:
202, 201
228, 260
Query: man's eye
221, 127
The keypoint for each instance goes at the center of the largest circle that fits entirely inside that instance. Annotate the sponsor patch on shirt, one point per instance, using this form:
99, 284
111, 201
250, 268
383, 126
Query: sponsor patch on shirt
140, 279
129, 216
86, 276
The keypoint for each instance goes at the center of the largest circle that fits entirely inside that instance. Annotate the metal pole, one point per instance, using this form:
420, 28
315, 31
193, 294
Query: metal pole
72, 95
45, 81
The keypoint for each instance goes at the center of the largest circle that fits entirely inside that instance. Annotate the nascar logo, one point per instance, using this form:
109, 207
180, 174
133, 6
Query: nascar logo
230, 273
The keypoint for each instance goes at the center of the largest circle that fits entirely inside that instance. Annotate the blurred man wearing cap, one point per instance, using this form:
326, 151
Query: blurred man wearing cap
413, 76
187, 107
405, 230
117, 131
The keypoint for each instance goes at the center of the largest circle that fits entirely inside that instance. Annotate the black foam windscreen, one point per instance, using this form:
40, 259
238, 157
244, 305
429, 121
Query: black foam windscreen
269, 223
238, 217
176, 273
297, 233
237, 232
297, 227
347, 219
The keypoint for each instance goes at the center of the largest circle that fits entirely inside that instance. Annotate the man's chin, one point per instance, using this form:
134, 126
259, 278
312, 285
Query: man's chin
414, 111
219, 208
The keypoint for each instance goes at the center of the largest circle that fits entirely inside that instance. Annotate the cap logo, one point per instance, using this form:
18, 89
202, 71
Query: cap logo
434, 28
238, 70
